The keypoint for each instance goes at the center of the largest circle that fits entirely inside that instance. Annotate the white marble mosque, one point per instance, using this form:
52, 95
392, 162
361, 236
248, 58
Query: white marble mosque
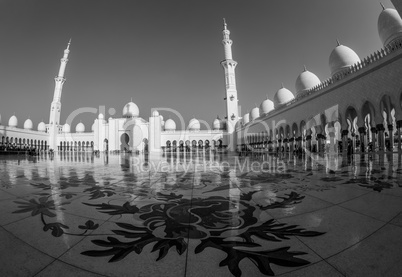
359, 105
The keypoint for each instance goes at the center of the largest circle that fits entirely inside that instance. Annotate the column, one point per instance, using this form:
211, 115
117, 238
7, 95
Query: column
391, 137
380, 138
345, 141
363, 144
308, 143
291, 149
374, 138
398, 126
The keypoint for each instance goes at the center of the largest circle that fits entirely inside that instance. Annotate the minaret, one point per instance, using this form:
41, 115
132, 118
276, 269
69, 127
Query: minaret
229, 66
55, 108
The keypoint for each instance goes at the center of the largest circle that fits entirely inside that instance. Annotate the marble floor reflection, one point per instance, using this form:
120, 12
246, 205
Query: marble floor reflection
200, 214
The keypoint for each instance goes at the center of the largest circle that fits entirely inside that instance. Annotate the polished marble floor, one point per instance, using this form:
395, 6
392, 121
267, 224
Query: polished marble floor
200, 214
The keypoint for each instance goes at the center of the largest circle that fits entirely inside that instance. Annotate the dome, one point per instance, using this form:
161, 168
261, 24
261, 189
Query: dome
42, 127
66, 128
217, 124
194, 125
282, 96
389, 26
93, 127
255, 113
266, 106
80, 128
161, 116
13, 121
28, 125
100, 116
341, 58
246, 118
305, 81
170, 125
131, 110
155, 113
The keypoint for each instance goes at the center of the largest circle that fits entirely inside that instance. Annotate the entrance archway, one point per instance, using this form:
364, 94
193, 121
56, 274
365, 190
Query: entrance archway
124, 142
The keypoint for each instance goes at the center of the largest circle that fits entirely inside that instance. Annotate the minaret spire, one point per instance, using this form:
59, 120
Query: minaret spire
55, 108
229, 66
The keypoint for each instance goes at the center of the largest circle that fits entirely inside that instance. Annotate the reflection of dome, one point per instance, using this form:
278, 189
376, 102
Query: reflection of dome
389, 26
341, 58
255, 113
194, 125
13, 121
170, 125
93, 127
131, 110
282, 96
155, 113
42, 127
66, 128
246, 118
266, 106
28, 124
80, 128
305, 81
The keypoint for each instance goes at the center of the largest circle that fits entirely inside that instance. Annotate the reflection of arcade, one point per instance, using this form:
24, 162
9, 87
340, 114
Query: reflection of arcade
194, 146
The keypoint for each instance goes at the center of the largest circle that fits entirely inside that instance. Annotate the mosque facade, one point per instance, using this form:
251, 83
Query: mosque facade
360, 105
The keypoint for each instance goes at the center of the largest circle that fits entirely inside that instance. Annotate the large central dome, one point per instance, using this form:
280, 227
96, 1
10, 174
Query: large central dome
131, 110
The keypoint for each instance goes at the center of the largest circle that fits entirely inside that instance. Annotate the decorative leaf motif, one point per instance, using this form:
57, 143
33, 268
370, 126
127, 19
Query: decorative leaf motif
165, 244
89, 225
56, 227
99, 192
119, 249
272, 231
262, 259
126, 208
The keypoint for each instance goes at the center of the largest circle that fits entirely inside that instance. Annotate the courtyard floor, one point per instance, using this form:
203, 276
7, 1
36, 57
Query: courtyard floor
200, 214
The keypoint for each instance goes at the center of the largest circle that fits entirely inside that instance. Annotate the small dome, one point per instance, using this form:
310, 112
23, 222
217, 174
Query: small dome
93, 127
42, 127
341, 58
389, 26
66, 128
305, 81
80, 128
161, 116
266, 106
282, 96
170, 125
100, 116
131, 110
155, 113
28, 125
13, 121
217, 124
255, 113
194, 125
246, 118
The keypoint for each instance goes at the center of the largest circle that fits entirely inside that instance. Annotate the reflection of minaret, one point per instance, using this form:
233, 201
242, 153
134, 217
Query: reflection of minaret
229, 66
54, 118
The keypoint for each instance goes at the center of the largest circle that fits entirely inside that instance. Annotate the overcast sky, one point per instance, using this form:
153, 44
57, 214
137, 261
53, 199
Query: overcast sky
167, 53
